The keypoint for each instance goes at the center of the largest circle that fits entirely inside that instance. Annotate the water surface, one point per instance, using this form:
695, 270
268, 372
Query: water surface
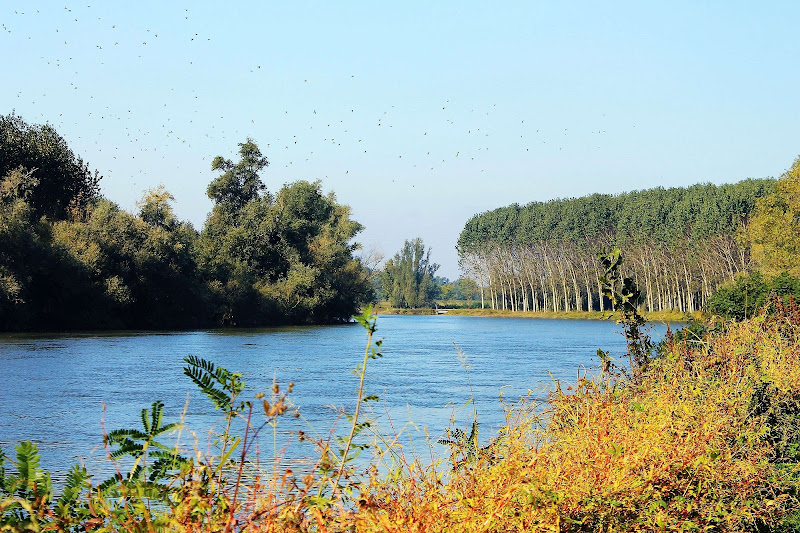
61, 390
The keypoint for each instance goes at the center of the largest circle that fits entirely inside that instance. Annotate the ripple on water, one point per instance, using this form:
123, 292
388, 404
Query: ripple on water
53, 389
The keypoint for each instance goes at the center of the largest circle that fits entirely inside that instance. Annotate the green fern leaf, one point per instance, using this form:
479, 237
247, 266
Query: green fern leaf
77, 480
204, 373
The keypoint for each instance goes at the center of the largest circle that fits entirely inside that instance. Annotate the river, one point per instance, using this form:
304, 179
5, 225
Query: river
60, 390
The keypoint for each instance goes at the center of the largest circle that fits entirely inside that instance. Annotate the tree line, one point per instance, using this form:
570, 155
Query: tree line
70, 258
681, 244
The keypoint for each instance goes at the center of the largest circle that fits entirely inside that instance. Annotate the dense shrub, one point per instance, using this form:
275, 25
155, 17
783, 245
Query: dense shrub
748, 294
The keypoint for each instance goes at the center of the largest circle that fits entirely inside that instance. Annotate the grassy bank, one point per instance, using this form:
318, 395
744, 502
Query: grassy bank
656, 316
706, 438
386, 310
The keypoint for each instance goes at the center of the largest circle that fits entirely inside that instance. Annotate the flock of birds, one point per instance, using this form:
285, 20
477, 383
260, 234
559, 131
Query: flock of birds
97, 60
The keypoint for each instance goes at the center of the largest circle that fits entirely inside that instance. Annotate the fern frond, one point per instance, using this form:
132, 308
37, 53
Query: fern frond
108, 484
203, 373
27, 460
136, 473
128, 447
165, 453
166, 429
157, 416
31, 480
166, 462
145, 422
75, 483
121, 434
3, 489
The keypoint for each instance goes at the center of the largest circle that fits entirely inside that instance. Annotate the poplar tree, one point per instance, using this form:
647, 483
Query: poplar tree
408, 277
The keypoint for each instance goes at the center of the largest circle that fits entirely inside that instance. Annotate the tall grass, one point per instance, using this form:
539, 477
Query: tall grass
706, 438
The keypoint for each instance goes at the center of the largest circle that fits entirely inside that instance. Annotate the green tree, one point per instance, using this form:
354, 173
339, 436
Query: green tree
21, 250
321, 280
56, 182
681, 245
18, 183
466, 289
774, 230
239, 182
408, 277
448, 291
261, 259
145, 275
155, 208
40, 285
286, 258
235, 250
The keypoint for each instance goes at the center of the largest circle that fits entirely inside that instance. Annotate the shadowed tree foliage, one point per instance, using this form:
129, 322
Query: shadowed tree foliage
88, 264
21, 248
282, 258
146, 274
55, 181
749, 294
40, 284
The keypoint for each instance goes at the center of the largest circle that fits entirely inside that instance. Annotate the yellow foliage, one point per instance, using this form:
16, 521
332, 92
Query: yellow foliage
681, 451
773, 233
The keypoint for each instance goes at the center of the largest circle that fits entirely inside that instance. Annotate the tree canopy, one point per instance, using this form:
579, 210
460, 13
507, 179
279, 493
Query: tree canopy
773, 233
681, 244
42, 169
285, 259
239, 182
661, 215
74, 260
747, 295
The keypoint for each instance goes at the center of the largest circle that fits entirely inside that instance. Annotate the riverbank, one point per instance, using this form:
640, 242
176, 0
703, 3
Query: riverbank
703, 438
666, 317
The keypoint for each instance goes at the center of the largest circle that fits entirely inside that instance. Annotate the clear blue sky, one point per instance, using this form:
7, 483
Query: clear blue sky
417, 114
